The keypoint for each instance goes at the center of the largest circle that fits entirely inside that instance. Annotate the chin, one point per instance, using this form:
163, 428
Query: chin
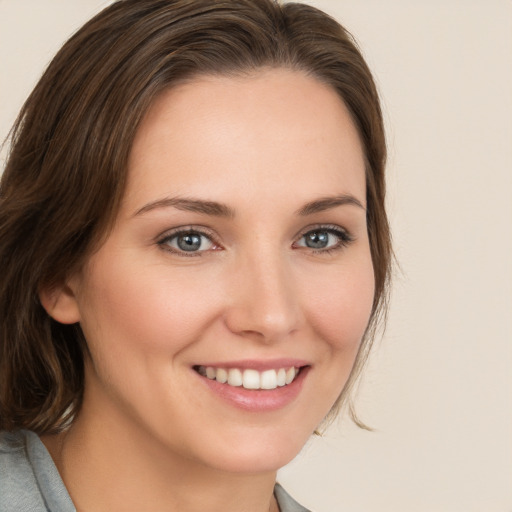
256, 451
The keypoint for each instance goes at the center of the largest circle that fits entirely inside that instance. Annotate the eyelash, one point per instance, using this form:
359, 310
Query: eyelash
343, 236
164, 241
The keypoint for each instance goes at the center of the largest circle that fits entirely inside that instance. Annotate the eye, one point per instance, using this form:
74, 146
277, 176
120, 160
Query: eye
189, 241
324, 239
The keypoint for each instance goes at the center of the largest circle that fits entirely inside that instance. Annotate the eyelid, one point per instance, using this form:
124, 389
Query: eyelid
182, 230
336, 228
344, 235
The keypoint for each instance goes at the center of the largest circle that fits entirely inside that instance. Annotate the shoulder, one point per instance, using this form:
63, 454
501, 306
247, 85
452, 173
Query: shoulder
17, 479
28, 478
286, 502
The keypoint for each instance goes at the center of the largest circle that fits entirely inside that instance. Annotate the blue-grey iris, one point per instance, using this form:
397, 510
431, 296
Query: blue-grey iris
317, 239
189, 242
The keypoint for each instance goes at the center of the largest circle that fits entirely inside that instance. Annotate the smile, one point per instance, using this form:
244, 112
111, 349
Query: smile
250, 378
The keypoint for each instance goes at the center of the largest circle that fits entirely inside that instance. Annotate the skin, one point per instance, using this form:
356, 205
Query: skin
150, 434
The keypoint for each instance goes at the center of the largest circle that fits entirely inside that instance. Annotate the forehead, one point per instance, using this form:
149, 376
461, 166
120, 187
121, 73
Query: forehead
263, 131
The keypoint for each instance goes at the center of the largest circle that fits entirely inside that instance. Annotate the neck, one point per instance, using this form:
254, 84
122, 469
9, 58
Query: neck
107, 468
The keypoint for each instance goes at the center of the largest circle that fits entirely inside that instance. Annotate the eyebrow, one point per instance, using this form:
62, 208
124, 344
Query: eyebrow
326, 203
222, 210
189, 205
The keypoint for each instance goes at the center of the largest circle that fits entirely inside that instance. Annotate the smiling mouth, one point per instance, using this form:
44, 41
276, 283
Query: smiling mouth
250, 378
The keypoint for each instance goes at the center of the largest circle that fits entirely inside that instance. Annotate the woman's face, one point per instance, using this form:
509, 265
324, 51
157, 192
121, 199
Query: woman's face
240, 252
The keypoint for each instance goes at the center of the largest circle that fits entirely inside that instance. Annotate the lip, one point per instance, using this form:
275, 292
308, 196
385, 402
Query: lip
261, 400
258, 364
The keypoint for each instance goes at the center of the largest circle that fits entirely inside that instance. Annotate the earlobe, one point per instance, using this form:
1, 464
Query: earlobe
60, 303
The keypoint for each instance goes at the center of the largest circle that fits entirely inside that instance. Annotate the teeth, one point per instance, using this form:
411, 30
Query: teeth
221, 376
235, 377
281, 377
250, 379
269, 379
290, 375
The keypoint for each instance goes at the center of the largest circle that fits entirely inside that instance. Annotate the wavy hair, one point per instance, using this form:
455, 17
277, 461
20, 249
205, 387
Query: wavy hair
66, 171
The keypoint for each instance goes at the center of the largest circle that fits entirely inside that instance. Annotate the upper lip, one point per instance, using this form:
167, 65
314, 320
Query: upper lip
258, 364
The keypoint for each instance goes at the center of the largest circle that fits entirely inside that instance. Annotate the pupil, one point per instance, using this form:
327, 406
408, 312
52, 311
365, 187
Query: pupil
189, 242
317, 239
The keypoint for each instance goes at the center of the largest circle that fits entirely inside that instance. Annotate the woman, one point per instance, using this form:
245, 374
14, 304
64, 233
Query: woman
195, 253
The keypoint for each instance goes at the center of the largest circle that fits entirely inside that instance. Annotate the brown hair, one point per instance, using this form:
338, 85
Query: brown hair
66, 171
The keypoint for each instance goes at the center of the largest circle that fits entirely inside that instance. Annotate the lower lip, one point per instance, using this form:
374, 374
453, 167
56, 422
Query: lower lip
259, 400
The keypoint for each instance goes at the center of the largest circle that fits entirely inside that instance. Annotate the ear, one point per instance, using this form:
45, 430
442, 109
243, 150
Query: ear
60, 303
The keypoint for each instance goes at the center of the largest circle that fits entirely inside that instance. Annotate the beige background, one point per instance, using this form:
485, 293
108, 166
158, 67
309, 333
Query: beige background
439, 387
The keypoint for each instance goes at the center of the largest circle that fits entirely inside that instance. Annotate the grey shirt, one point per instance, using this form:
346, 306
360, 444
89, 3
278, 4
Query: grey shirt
30, 482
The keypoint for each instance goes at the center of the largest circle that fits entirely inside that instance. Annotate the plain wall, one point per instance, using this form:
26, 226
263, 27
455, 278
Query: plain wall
438, 390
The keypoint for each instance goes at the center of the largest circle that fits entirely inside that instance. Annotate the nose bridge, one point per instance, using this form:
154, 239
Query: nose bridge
265, 300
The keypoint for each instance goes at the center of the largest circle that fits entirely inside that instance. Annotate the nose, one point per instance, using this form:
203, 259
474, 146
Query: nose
263, 299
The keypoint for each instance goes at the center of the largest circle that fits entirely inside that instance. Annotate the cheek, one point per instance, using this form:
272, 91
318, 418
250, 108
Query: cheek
151, 311
339, 313
340, 305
